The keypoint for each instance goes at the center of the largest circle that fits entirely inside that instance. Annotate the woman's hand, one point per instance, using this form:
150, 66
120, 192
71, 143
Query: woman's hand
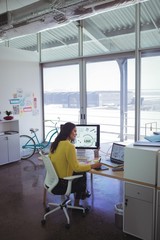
96, 165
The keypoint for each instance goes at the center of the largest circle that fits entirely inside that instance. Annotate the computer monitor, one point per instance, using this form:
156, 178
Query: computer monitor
88, 136
117, 153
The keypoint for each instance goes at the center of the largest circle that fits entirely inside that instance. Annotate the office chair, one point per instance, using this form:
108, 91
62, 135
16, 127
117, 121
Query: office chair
50, 182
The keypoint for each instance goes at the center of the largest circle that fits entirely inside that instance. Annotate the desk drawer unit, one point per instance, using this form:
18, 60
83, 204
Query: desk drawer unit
139, 211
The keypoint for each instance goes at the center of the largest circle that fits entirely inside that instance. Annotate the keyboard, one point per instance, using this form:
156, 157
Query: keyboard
111, 164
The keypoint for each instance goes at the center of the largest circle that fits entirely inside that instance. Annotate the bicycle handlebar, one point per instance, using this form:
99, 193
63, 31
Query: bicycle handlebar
53, 121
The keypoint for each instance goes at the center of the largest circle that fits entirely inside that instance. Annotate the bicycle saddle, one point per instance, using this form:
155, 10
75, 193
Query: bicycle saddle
34, 129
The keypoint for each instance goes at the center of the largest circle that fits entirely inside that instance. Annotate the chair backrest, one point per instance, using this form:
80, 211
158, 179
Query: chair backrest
51, 178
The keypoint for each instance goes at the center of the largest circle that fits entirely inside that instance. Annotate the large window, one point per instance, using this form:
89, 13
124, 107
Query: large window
107, 87
150, 95
103, 98
61, 93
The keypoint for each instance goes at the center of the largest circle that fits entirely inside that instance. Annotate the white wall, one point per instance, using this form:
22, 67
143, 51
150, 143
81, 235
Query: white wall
20, 88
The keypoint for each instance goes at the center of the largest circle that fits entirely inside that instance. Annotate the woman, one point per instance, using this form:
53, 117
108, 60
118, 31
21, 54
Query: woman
63, 157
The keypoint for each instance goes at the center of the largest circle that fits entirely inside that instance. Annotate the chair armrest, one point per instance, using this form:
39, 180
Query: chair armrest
71, 178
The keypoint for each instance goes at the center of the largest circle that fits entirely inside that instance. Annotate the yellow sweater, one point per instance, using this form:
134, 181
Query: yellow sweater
65, 161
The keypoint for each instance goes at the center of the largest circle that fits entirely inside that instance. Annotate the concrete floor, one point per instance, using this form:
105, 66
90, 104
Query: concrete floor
21, 204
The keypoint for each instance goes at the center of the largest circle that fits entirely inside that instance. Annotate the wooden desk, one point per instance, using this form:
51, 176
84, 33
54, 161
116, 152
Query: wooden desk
109, 173
117, 175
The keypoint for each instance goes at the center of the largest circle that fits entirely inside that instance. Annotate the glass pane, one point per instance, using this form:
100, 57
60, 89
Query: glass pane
110, 32
150, 15
103, 98
60, 43
61, 93
150, 96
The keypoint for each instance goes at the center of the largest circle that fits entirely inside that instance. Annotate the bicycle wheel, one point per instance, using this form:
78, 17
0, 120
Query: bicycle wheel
27, 146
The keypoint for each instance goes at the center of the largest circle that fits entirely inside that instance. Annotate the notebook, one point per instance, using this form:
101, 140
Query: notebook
116, 158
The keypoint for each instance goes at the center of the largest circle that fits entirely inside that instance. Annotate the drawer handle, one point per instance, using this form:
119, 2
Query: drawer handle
126, 202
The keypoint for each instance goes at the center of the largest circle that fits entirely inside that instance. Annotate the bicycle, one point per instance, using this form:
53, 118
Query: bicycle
29, 145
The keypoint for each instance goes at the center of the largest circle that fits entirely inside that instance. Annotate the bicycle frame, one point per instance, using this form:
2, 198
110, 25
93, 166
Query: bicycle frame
29, 144
44, 144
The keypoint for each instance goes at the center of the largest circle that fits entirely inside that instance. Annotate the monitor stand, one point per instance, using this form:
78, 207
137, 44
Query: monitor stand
81, 152
85, 153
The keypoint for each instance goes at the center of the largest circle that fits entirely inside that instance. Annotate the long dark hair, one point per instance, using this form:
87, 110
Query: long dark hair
65, 132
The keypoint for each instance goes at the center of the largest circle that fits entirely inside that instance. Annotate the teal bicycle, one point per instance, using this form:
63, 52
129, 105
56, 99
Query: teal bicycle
29, 145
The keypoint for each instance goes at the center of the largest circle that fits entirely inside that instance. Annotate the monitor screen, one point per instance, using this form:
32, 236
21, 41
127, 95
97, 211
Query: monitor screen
88, 136
117, 152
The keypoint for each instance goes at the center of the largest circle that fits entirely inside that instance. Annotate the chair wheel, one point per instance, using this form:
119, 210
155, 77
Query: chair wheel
47, 209
67, 225
87, 209
43, 222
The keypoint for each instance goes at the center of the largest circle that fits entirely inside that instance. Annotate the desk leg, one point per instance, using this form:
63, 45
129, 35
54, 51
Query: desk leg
91, 178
